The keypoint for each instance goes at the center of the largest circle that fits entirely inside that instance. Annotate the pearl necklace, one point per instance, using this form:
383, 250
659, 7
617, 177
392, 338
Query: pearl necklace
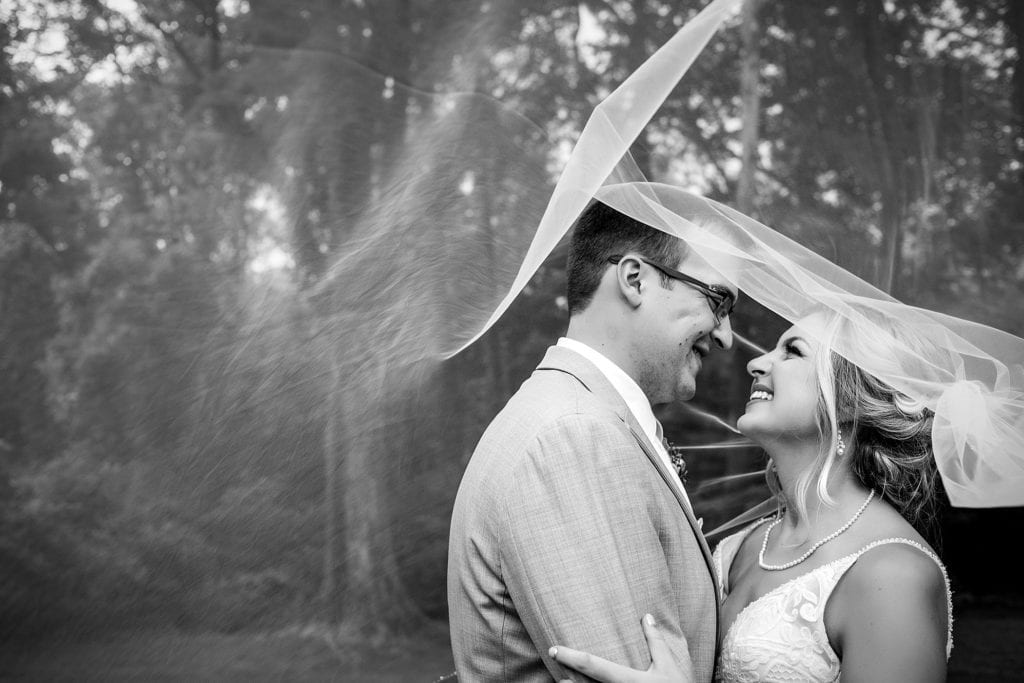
787, 565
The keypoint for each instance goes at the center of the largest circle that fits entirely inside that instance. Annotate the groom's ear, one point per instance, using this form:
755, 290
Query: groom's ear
629, 280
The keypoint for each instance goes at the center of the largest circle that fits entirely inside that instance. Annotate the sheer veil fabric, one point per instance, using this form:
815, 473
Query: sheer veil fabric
970, 375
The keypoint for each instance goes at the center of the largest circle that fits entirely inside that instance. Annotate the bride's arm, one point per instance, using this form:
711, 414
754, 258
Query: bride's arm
664, 668
887, 619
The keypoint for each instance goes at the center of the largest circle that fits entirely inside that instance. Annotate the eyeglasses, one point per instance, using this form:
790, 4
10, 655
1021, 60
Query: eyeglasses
720, 299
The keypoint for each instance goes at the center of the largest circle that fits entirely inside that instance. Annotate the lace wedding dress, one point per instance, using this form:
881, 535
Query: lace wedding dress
781, 635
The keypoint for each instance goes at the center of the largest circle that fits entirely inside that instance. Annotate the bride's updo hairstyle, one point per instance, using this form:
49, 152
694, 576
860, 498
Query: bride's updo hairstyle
886, 435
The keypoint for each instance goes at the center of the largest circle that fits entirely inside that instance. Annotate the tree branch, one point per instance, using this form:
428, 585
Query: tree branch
179, 47
959, 32
607, 5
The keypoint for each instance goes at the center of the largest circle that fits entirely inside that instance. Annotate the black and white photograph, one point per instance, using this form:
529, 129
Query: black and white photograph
458, 341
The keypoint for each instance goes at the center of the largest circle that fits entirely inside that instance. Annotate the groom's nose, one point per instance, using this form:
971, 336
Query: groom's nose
722, 334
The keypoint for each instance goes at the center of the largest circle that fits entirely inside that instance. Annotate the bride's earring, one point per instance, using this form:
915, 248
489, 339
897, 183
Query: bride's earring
840, 444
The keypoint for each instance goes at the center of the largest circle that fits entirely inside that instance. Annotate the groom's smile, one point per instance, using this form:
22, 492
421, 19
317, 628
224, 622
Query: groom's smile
682, 329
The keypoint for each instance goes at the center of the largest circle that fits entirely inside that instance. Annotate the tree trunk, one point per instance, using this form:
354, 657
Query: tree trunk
892, 250
374, 597
211, 21
332, 449
637, 54
750, 96
1013, 17
370, 594
489, 184
883, 111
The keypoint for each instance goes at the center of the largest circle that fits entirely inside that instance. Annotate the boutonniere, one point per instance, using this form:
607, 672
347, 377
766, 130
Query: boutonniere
675, 455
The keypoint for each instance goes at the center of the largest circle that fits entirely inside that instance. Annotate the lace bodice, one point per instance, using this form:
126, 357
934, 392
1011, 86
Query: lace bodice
781, 635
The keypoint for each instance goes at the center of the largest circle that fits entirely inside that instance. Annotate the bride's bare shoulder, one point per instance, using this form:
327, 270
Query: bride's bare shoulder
894, 562
892, 586
897, 565
892, 590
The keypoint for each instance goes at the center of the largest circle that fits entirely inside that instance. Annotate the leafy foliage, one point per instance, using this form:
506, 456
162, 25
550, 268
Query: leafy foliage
178, 180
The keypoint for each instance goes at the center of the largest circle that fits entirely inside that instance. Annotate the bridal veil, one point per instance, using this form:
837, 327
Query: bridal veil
972, 378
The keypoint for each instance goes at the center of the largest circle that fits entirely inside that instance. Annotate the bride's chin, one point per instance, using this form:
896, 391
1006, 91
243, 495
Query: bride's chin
747, 426
741, 424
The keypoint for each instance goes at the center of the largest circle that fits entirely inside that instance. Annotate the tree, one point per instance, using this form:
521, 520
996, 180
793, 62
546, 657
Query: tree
750, 94
44, 225
866, 142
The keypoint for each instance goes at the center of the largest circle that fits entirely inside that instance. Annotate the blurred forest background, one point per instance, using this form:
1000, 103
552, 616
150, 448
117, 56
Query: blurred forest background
181, 449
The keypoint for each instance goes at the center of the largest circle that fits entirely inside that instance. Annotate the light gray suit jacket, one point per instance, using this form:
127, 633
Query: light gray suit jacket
566, 530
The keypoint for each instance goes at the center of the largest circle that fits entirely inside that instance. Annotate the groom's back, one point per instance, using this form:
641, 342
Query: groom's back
489, 639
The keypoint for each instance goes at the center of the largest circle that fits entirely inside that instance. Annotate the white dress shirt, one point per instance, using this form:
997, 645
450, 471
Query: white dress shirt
636, 400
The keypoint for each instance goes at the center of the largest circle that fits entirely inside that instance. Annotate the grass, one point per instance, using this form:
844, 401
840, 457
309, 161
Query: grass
167, 655
989, 647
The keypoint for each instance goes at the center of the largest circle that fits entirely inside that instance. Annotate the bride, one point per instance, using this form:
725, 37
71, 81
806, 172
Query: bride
842, 579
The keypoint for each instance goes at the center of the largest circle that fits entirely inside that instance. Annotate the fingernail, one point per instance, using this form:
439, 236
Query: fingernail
553, 651
649, 620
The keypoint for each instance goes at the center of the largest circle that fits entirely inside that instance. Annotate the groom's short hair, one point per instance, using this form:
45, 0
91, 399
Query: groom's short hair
602, 232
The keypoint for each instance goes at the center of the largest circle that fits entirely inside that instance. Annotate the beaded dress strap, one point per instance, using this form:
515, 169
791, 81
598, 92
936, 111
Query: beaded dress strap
942, 568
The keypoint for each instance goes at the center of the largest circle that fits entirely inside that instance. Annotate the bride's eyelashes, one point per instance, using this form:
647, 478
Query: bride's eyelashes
789, 348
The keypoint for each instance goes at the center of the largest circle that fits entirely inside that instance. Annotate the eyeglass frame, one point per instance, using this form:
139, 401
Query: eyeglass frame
721, 300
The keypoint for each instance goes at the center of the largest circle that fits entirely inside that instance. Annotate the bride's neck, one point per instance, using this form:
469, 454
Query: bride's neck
843, 487
846, 495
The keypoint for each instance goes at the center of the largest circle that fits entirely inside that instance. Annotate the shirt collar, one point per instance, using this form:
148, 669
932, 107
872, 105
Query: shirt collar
635, 398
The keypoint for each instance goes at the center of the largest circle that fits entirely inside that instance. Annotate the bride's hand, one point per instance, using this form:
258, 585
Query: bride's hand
663, 669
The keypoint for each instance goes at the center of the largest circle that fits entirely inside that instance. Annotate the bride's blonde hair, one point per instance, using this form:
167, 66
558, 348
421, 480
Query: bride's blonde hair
886, 434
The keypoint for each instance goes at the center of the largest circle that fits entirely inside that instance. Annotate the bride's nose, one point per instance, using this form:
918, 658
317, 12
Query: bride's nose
758, 366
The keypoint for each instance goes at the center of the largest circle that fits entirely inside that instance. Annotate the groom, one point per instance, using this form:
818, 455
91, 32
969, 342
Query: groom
570, 523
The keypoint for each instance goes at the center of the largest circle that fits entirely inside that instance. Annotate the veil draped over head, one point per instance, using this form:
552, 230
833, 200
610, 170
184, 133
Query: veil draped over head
970, 375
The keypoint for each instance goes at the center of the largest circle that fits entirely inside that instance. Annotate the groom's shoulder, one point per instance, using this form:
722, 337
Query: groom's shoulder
552, 391
548, 401
552, 416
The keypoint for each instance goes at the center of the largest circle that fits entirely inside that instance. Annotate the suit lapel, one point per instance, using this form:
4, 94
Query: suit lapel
659, 464
570, 362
